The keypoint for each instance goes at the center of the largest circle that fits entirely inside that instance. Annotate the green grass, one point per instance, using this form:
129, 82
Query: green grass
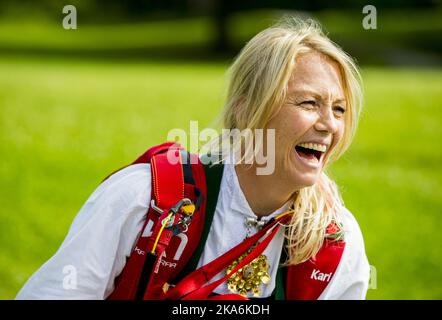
391, 180
64, 125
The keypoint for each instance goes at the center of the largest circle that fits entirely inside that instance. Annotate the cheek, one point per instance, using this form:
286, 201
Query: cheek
289, 129
339, 134
341, 129
293, 123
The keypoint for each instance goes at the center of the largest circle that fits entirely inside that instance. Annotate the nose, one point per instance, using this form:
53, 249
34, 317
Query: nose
326, 121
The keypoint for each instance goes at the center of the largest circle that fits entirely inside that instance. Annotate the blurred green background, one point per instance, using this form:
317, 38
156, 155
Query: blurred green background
77, 104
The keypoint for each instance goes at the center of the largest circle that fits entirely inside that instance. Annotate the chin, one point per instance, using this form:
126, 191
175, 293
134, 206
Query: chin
308, 183
302, 175
304, 180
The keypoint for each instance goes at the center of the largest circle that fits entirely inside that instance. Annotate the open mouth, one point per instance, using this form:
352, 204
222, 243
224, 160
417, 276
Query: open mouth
310, 151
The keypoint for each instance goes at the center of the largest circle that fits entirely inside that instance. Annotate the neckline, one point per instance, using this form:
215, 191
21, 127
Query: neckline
239, 203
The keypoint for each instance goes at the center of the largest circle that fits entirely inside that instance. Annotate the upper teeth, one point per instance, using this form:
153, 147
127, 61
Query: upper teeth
314, 146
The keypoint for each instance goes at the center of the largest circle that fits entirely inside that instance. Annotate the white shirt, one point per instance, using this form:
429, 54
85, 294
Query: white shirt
104, 233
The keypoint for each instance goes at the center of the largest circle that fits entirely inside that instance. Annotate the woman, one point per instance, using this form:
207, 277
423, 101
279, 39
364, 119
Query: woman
293, 81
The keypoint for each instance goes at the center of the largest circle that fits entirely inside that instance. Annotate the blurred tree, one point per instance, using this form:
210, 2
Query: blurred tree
220, 11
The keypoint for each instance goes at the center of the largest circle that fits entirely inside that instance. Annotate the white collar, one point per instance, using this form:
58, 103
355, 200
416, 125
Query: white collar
239, 202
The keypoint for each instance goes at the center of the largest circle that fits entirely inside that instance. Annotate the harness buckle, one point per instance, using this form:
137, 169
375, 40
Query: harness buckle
185, 219
177, 207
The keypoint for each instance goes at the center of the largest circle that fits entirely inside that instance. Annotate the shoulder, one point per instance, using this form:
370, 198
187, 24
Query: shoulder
125, 184
130, 176
353, 273
122, 195
127, 188
125, 191
354, 238
355, 267
352, 231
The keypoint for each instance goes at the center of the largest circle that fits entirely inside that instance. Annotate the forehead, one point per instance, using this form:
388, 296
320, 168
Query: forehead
317, 73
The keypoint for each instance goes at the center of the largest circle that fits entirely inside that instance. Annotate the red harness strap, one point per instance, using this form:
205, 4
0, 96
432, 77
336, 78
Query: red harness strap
165, 197
171, 252
192, 286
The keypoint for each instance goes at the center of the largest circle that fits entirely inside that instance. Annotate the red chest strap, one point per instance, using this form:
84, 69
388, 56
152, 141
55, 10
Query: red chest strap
193, 286
306, 281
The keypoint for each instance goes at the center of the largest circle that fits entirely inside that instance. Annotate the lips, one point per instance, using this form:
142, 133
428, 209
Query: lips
311, 153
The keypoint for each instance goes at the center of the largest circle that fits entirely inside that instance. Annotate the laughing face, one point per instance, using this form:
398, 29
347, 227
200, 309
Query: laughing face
311, 121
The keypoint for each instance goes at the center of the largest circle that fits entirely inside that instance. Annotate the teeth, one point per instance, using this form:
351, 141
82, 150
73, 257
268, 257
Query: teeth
314, 146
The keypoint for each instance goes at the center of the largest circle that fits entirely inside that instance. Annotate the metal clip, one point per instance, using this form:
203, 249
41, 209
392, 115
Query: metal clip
183, 223
169, 223
153, 206
179, 204
252, 222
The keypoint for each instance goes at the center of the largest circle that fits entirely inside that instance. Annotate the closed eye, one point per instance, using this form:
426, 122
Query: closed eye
310, 102
339, 109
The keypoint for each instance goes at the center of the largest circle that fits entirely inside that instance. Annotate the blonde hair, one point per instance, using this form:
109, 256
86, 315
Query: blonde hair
257, 89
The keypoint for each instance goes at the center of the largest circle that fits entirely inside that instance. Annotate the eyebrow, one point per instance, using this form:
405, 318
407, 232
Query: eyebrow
315, 94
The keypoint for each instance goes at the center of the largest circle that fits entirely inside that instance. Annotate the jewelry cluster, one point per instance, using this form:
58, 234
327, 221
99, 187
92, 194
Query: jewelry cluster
250, 277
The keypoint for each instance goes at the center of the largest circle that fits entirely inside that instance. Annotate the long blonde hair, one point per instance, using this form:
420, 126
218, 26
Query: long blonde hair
258, 81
